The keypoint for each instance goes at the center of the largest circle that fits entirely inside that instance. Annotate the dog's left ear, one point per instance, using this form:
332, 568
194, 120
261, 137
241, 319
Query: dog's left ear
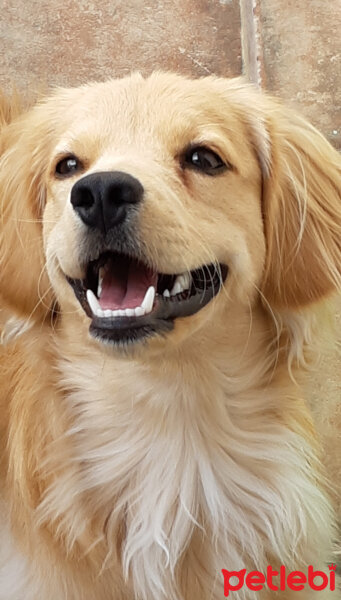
301, 208
24, 285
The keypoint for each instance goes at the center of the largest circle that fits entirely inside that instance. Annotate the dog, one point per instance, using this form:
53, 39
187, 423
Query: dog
168, 247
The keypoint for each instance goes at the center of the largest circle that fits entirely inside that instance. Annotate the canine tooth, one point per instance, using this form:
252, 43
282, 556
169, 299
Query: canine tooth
139, 311
166, 293
148, 300
93, 302
100, 313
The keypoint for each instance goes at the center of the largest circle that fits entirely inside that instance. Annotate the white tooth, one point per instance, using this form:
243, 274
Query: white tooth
120, 313
100, 281
187, 280
177, 287
166, 293
139, 311
100, 313
182, 281
115, 313
129, 312
148, 300
92, 301
108, 313
181, 284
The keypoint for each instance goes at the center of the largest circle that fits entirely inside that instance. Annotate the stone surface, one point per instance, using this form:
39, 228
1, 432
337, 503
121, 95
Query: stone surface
46, 43
302, 58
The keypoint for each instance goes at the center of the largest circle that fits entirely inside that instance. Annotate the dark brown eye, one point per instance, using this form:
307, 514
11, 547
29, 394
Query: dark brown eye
204, 160
68, 166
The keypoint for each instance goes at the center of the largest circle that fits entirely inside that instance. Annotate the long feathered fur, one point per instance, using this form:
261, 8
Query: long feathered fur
140, 477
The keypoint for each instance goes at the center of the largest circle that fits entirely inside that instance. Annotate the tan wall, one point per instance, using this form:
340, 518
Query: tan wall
302, 57
297, 42
70, 42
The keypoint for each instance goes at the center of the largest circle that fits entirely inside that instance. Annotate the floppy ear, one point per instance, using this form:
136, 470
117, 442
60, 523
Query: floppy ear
301, 208
24, 286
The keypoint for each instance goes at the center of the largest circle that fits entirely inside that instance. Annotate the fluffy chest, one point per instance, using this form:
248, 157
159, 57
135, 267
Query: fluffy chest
173, 459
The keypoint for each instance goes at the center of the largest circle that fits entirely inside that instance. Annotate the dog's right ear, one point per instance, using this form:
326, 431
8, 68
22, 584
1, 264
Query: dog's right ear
24, 285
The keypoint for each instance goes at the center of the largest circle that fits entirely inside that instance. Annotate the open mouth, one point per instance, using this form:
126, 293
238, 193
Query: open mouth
128, 301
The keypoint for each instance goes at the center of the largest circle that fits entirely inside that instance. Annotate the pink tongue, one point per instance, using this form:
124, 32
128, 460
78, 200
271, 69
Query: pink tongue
124, 284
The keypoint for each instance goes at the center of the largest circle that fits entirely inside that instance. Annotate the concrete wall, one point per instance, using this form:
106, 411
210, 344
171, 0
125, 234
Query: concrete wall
70, 42
296, 42
302, 57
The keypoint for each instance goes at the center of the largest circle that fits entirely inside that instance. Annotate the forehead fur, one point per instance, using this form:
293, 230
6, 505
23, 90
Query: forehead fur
164, 112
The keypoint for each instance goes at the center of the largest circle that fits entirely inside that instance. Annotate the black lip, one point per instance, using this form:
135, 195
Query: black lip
128, 330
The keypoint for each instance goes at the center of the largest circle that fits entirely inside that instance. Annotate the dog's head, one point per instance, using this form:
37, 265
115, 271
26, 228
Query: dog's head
137, 204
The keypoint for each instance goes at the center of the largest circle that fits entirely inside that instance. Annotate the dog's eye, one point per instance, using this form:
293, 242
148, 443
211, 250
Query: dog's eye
68, 166
204, 160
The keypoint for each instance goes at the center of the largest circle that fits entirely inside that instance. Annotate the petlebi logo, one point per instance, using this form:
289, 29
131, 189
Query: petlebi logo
281, 580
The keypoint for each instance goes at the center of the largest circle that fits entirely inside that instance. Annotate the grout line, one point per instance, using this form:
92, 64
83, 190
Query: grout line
252, 52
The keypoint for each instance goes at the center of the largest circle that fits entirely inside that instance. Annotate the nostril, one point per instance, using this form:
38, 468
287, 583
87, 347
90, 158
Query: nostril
82, 197
102, 200
126, 190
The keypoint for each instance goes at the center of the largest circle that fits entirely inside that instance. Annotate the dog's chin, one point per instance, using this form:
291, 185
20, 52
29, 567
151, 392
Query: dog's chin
129, 303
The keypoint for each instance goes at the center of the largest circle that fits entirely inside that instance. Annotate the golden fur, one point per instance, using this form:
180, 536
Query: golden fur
140, 474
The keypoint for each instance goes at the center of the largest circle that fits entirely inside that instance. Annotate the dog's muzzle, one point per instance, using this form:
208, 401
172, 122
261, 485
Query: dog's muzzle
126, 299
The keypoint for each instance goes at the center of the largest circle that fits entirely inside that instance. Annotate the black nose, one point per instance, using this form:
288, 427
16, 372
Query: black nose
104, 199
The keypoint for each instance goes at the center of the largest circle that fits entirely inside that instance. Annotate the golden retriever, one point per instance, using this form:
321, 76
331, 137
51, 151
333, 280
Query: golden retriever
166, 247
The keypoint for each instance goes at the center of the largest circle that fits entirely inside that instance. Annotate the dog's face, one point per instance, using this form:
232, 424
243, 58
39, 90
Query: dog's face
154, 205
